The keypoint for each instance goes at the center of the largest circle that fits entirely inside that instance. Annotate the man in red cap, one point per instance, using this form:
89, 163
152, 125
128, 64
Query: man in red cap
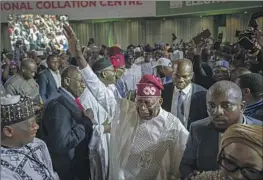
146, 141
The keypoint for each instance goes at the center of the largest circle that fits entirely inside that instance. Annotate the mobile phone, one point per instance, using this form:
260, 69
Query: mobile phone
202, 36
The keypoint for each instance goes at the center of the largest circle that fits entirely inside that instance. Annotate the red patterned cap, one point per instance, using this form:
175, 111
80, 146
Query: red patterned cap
149, 85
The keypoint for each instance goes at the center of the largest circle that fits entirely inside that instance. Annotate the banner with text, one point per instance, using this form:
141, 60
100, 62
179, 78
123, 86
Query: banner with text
170, 8
80, 10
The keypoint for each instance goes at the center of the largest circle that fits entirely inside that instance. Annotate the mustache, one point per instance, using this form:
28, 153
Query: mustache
219, 119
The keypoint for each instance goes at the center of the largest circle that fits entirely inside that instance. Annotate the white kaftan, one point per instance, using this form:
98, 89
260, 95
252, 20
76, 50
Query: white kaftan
141, 150
30, 162
99, 144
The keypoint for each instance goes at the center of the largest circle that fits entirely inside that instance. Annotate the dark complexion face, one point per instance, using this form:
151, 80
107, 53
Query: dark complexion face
224, 109
53, 64
182, 75
148, 107
221, 73
75, 84
243, 156
13, 69
29, 71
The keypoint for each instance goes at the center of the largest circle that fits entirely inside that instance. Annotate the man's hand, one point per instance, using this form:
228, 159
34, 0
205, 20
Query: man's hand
7, 61
73, 42
107, 126
89, 114
74, 46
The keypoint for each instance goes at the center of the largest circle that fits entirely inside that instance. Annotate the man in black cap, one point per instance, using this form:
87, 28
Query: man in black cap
122, 86
22, 155
105, 71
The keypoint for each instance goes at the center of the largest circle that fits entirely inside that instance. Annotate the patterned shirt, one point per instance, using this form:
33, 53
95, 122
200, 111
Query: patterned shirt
30, 162
255, 110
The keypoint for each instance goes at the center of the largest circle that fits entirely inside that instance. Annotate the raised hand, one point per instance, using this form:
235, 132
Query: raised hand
73, 42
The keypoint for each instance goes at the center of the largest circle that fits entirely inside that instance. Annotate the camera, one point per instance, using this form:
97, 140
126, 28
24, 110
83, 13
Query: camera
174, 37
245, 38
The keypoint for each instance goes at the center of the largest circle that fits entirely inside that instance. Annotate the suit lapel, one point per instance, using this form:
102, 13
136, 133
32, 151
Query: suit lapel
51, 78
192, 106
209, 148
170, 96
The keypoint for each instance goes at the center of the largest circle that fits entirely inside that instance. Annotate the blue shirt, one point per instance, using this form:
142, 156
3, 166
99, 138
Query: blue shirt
253, 110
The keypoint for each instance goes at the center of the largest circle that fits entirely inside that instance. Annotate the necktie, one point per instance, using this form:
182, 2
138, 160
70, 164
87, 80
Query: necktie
79, 104
180, 106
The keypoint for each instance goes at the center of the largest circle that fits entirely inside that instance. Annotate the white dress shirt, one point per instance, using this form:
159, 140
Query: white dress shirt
56, 75
187, 93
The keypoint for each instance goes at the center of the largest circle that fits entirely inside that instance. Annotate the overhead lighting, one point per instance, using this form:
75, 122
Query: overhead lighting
245, 12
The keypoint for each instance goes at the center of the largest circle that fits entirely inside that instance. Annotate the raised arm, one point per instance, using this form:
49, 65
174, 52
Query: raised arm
103, 95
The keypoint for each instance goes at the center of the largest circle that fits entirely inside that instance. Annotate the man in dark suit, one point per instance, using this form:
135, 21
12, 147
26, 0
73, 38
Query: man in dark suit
225, 108
67, 130
183, 98
49, 80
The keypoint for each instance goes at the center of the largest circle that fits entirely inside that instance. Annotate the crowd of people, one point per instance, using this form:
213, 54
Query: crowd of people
36, 32
163, 112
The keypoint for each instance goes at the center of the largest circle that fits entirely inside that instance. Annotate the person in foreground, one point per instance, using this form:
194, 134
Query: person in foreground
67, 128
225, 108
146, 141
240, 156
22, 155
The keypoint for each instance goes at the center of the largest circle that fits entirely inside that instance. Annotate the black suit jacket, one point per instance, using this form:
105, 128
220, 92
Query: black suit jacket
201, 149
198, 102
67, 134
47, 84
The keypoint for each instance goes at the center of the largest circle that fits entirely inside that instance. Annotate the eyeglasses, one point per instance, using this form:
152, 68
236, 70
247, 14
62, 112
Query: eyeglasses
247, 172
144, 103
80, 81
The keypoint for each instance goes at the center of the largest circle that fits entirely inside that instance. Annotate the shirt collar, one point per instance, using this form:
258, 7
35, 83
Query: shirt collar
259, 103
186, 90
55, 72
244, 120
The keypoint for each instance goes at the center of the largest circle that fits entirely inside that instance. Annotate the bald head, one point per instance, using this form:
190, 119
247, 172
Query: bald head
25, 63
236, 73
28, 68
71, 71
225, 88
185, 64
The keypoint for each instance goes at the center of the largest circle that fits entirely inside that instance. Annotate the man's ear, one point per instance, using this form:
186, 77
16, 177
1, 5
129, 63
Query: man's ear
246, 91
66, 81
243, 106
161, 101
8, 131
103, 74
